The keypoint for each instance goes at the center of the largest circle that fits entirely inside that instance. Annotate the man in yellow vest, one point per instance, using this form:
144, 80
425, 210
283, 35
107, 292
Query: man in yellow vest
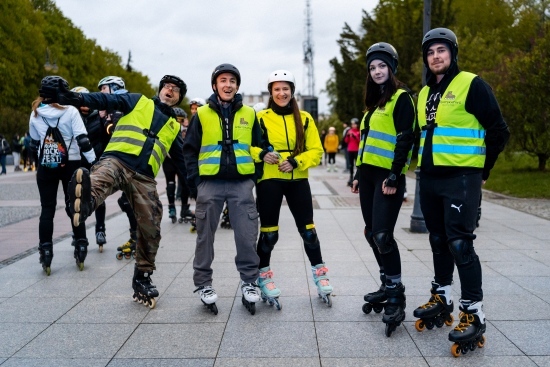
463, 133
221, 147
142, 139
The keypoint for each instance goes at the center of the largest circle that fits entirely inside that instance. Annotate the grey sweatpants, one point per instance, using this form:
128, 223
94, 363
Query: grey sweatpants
243, 215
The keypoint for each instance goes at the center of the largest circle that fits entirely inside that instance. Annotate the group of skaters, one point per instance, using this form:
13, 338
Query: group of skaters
19, 149
229, 149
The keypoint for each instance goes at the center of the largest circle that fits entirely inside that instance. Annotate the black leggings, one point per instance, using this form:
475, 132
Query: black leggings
380, 211
170, 173
298, 197
48, 182
331, 158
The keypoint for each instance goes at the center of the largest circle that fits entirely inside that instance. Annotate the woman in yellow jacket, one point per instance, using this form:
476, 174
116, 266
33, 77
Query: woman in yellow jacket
331, 146
293, 147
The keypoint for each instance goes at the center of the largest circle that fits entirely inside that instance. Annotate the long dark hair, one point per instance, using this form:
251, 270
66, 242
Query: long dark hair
299, 147
378, 97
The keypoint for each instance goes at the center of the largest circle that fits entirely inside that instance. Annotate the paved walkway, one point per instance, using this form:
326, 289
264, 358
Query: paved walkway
87, 318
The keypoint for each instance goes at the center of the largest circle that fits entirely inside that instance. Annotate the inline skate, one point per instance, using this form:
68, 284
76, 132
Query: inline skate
437, 311
80, 252
46, 255
186, 215
324, 289
269, 291
144, 291
208, 297
394, 312
250, 296
127, 250
100, 238
225, 223
468, 334
172, 213
80, 197
376, 300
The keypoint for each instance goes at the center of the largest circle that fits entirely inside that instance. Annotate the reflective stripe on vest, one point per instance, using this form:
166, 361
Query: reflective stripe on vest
458, 139
212, 136
132, 131
378, 148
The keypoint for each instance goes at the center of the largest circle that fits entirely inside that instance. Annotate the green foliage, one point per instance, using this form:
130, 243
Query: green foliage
34, 31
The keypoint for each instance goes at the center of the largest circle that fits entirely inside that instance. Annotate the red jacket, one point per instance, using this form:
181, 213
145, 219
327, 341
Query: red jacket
352, 139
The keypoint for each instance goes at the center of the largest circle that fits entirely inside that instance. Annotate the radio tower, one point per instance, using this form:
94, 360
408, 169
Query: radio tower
308, 53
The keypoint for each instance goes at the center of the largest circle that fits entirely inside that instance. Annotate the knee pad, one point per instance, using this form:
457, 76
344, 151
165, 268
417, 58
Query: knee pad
268, 240
310, 238
463, 251
437, 243
385, 242
368, 235
171, 191
124, 204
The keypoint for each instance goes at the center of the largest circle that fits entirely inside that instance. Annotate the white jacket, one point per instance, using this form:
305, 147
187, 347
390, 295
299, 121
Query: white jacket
70, 126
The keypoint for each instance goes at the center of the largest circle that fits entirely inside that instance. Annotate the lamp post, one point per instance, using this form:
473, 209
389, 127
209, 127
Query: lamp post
48, 66
418, 225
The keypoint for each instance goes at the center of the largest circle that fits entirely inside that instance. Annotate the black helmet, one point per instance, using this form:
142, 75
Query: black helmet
385, 52
225, 68
440, 35
177, 81
179, 112
53, 81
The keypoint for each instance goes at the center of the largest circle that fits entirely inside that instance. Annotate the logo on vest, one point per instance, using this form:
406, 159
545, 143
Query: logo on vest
243, 121
450, 95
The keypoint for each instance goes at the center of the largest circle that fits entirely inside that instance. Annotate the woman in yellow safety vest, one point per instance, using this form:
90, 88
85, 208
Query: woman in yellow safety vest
386, 143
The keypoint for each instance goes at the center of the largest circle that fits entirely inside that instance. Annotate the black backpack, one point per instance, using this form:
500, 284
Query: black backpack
54, 152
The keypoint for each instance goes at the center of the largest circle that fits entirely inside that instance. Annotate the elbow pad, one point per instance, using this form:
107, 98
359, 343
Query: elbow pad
84, 143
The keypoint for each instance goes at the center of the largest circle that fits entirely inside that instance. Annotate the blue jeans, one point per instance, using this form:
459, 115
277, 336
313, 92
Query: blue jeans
3, 162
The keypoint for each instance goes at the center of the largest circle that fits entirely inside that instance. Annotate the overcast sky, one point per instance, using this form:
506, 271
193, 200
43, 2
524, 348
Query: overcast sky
189, 38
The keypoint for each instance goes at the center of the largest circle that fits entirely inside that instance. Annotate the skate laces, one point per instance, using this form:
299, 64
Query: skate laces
465, 321
434, 300
249, 288
265, 279
320, 275
205, 291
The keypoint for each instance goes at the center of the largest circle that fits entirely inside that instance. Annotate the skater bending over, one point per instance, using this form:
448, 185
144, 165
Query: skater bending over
463, 133
293, 147
385, 148
51, 170
140, 142
222, 145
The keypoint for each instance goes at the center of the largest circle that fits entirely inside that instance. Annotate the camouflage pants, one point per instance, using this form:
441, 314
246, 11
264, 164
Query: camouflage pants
108, 176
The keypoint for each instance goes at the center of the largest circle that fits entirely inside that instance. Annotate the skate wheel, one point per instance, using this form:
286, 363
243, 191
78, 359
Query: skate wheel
378, 309
367, 308
180, 220
128, 256
100, 248
439, 322
252, 308
390, 329
419, 325
76, 219
278, 305
135, 298
133, 255
152, 303
119, 256
480, 343
449, 321
48, 271
81, 266
214, 309
78, 176
455, 350
430, 325
193, 230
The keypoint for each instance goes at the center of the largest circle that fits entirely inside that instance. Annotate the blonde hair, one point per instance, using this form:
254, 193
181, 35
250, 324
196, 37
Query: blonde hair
39, 100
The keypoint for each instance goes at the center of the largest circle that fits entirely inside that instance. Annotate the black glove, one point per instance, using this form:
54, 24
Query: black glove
391, 181
60, 95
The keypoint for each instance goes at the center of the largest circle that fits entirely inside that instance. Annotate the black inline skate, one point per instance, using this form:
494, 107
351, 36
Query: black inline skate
46, 255
225, 223
144, 291
127, 250
100, 237
437, 311
250, 296
468, 334
80, 199
208, 297
172, 213
376, 300
80, 252
394, 312
186, 215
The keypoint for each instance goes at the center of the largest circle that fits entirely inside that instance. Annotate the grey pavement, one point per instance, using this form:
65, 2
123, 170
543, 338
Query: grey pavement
87, 318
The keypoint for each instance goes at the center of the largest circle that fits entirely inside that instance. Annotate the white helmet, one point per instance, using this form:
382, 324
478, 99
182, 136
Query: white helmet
80, 90
198, 101
259, 106
116, 80
281, 76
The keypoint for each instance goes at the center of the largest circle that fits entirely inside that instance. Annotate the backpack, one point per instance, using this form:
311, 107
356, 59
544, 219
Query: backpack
54, 152
5, 147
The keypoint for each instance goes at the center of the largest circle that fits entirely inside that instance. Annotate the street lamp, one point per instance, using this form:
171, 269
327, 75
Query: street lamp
49, 67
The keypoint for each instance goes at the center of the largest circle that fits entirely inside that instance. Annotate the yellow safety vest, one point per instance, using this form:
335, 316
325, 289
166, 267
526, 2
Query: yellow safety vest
133, 129
212, 140
379, 146
459, 139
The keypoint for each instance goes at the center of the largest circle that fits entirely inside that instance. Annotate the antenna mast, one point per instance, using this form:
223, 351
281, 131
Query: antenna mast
308, 53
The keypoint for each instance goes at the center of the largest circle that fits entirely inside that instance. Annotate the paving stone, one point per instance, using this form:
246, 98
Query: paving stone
16, 335
57, 362
271, 362
374, 362
31, 310
480, 361
529, 336
180, 362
